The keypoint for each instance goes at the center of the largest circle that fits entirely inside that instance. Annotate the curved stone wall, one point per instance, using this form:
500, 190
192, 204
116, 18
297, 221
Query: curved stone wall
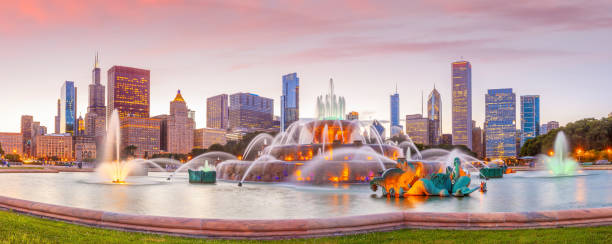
292, 228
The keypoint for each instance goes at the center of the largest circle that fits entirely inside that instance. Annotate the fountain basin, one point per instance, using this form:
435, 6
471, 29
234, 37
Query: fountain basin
302, 228
497, 172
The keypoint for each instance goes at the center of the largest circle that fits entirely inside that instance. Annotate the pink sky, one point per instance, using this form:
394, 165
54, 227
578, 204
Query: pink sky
558, 49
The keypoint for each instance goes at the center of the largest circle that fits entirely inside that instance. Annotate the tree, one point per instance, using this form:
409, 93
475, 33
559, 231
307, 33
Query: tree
129, 151
587, 134
197, 152
1, 151
216, 147
12, 157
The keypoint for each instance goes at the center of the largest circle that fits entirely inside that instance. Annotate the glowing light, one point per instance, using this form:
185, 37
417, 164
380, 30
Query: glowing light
298, 175
345, 173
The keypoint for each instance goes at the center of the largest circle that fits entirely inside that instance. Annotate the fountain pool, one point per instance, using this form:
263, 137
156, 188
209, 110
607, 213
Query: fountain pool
514, 193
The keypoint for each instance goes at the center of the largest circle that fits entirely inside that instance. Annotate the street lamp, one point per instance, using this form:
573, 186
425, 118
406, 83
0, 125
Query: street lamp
579, 153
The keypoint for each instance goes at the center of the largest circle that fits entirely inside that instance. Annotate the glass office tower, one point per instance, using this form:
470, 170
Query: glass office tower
462, 103
530, 117
290, 100
500, 123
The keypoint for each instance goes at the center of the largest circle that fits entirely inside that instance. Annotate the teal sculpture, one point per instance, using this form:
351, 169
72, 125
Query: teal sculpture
205, 174
418, 179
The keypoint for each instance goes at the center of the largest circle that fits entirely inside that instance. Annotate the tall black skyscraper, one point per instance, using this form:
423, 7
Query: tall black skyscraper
95, 119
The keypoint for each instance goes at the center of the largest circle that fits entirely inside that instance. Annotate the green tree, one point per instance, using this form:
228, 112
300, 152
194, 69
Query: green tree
197, 152
1, 151
129, 151
12, 157
586, 134
216, 147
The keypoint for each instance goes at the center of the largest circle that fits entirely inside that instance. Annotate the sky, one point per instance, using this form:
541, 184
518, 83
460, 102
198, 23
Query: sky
560, 50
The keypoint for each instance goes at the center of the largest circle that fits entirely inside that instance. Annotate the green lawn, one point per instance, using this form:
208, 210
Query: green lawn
18, 228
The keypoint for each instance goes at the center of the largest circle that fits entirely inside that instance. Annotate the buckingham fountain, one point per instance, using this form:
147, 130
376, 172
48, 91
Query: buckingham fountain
320, 168
325, 150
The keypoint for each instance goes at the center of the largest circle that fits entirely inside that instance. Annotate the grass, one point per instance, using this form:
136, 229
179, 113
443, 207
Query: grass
18, 228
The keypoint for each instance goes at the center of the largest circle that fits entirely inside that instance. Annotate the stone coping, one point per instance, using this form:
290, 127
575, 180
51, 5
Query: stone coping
9, 170
294, 228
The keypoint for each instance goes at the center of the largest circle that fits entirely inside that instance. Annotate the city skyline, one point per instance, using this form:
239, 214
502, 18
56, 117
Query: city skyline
542, 55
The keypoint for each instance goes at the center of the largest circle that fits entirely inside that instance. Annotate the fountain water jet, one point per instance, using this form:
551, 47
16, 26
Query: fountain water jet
560, 164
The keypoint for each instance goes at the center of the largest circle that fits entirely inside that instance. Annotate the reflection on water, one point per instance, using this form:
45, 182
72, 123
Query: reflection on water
515, 192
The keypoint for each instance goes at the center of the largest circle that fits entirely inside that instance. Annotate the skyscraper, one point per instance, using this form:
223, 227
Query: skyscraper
462, 103
530, 117
95, 118
96, 91
26, 132
57, 117
68, 108
417, 128
395, 109
179, 127
128, 92
250, 111
290, 100
500, 123
217, 112
434, 114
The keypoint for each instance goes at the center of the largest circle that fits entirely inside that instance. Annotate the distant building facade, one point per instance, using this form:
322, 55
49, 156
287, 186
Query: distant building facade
205, 137
477, 140
530, 117
11, 143
250, 111
500, 123
447, 139
68, 108
462, 103
380, 129
80, 131
353, 115
143, 133
52, 146
417, 128
550, 125
434, 115
217, 112
290, 100
85, 148
128, 92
